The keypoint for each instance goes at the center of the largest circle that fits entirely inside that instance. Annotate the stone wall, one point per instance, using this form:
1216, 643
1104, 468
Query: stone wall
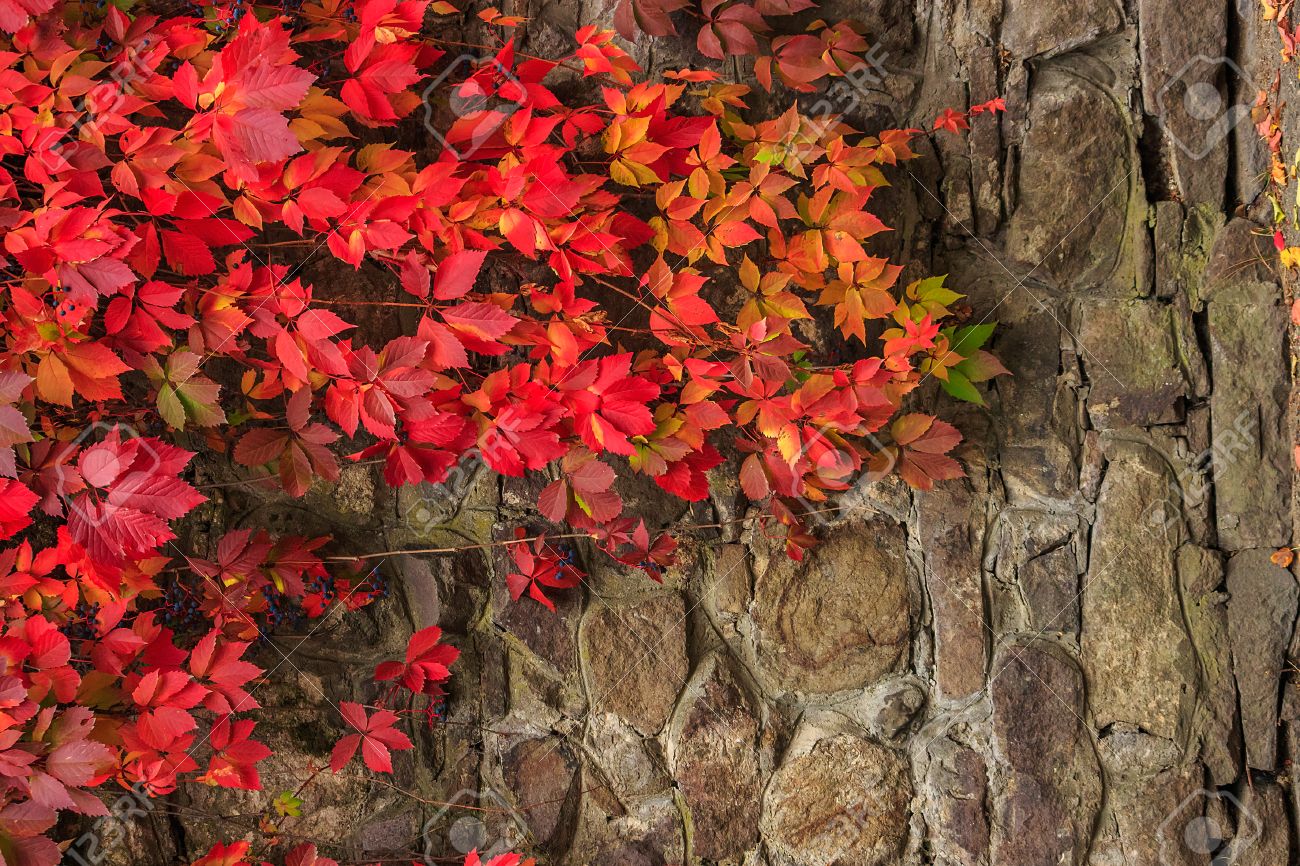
1076, 655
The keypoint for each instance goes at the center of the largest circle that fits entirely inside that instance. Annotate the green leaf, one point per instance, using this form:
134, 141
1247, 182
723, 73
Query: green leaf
971, 337
933, 289
981, 367
288, 805
199, 397
170, 408
960, 387
184, 395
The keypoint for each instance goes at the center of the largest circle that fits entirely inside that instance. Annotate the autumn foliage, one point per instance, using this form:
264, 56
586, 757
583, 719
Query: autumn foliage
608, 276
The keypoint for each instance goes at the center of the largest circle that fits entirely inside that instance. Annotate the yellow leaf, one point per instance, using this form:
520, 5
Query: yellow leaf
620, 172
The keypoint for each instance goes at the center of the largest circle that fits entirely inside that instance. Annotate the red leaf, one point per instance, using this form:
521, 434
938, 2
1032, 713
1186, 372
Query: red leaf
456, 274
479, 324
187, 254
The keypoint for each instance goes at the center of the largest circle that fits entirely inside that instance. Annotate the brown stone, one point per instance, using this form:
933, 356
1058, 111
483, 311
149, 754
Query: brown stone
1050, 586
1050, 787
1072, 219
1189, 91
1261, 837
841, 618
540, 775
1148, 794
952, 531
956, 795
548, 635
1200, 572
1056, 26
1249, 451
1135, 648
1038, 445
635, 658
844, 802
1262, 601
714, 757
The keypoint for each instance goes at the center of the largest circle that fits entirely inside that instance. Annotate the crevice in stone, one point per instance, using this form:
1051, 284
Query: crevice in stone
1234, 87
176, 828
1156, 164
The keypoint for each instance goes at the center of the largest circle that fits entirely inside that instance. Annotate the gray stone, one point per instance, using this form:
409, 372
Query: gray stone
1029, 594
1262, 602
890, 709
630, 764
1205, 609
1135, 649
1252, 469
1189, 91
1072, 221
1129, 351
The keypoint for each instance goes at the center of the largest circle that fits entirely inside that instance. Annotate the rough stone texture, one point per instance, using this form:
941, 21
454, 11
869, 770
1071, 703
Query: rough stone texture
1077, 655
652, 631
952, 522
1136, 651
714, 758
1038, 439
956, 808
1261, 836
1200, 574
1077, 149
1048, 788
1252, 467
844, 802
1184, 80
1261, 608
1136, 379
1145, 787
1030, 29
841, 618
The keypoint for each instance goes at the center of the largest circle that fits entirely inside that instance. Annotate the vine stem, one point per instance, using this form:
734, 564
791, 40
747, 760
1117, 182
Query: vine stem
434, 550
428, 551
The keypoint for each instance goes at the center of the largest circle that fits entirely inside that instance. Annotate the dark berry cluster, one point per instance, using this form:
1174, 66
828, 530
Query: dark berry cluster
281, 610
180, 606
650, 567
321, 584
84, 622
374, 588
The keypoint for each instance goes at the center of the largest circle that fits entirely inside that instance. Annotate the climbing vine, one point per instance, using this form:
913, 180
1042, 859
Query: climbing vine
606, 276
